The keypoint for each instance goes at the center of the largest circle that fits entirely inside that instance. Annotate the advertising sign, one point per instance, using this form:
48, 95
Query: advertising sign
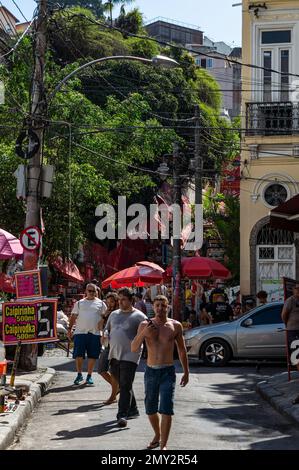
28, 284
29, 322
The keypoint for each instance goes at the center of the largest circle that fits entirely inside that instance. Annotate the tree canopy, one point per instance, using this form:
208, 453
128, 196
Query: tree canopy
108, 127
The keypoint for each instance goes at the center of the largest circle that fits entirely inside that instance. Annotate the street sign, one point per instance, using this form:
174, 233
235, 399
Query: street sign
30, 238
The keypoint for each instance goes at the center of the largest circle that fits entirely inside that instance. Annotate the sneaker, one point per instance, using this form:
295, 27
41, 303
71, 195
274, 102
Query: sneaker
89, 380
122, 422
79, 379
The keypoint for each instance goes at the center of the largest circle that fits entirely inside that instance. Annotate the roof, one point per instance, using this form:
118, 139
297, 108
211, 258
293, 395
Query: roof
9, 13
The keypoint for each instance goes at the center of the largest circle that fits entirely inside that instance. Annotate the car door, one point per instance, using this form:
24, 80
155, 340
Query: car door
265, 336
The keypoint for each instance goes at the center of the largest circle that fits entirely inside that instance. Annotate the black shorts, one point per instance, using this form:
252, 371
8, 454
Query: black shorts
104, 361
293, 346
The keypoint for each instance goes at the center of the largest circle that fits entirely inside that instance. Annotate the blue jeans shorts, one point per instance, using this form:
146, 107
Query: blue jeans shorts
87, 343
159, 383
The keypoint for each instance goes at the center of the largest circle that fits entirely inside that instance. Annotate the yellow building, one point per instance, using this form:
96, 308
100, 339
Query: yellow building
270, 142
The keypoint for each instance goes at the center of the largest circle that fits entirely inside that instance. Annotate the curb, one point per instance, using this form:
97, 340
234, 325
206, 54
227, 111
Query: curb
278, 400
9, 425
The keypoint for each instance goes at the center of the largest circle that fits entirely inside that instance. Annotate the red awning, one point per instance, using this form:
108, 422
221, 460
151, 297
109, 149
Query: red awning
68, 269
286, 215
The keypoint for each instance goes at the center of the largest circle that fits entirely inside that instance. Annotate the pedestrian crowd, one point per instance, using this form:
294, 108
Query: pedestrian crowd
114, 331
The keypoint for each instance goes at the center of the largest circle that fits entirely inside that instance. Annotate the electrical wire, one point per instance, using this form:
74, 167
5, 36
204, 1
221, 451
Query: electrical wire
173, 46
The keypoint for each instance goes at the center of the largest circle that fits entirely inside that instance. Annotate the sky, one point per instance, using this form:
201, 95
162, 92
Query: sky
217, 18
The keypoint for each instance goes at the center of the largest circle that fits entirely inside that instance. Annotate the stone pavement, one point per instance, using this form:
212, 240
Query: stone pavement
280, 393
35, 384
275, 389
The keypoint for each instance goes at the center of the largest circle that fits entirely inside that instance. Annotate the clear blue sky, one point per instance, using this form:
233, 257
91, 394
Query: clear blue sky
217, 18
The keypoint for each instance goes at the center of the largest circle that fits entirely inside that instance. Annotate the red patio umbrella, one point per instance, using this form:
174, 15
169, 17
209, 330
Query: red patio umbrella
139, 275
10, 246
197, 267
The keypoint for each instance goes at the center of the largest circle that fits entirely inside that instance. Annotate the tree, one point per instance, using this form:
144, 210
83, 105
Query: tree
105, 166
96, 6
74, 35
110, 4
132, 22
224, 213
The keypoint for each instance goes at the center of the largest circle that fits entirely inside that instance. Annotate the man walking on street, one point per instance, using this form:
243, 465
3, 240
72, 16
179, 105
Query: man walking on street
122, 326
290, 316
160, 334
87, 314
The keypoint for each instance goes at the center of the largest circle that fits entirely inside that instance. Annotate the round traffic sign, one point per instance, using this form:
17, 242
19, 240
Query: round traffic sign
30, 238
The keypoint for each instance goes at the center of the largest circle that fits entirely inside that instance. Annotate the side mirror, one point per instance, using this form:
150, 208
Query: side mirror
248, 322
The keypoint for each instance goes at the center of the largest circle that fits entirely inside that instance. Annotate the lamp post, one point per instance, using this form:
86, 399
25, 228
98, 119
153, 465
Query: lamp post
177, 303
158, 60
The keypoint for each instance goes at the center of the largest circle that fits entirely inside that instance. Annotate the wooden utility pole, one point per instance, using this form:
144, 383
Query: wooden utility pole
38, 113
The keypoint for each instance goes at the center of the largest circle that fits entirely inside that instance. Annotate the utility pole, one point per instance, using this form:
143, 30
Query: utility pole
198, 159
28, 359
176, 262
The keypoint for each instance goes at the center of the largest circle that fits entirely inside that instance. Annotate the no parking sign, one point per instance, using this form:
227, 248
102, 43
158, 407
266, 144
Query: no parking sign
30, 238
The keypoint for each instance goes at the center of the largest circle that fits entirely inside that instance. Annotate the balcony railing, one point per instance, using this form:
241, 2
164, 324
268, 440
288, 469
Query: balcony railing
273, 118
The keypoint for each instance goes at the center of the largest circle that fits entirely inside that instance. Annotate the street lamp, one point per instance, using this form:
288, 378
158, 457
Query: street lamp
177, 299
158, 60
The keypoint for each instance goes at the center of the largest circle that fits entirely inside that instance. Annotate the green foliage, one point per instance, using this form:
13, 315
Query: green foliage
207, 88
73, 36
110, 4
96, 6
224, 213
110, 108
132, 22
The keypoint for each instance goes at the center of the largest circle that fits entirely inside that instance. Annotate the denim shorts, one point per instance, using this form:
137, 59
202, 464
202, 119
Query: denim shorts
87, 343
159, 384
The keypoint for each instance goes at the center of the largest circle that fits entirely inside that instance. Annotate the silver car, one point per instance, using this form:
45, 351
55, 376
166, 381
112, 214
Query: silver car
259, 334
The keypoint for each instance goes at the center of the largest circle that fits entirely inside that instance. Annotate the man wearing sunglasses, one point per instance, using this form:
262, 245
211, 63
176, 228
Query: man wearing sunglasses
86, 314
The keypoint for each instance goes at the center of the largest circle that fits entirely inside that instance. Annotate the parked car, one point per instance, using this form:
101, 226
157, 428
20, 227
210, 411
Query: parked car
259, 334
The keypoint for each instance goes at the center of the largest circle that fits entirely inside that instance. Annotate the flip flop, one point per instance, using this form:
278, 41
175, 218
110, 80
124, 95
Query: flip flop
153, 445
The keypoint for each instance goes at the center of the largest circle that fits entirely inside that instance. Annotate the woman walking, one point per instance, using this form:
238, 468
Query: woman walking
112, 304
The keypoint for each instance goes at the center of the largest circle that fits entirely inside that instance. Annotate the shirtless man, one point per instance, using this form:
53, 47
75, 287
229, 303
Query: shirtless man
160, 333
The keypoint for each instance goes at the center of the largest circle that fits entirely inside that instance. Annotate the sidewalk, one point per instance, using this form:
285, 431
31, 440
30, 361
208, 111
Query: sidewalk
280, 393
35, 383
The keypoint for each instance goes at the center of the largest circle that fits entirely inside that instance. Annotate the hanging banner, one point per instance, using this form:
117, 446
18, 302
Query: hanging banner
29, 322
28, 284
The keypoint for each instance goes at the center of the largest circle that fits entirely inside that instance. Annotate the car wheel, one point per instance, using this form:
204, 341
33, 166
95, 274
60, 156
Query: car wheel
215, 352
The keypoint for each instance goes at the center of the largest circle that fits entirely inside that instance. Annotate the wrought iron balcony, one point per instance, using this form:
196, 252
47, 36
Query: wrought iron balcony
272, 118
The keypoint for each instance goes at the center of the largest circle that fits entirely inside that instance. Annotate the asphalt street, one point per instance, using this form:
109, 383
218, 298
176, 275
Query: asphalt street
219, 409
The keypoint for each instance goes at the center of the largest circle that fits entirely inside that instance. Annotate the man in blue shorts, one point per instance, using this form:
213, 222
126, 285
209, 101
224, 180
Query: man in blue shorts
160, 334
87, 314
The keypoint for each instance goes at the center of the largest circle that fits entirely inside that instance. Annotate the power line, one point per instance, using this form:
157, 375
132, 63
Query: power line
165, 43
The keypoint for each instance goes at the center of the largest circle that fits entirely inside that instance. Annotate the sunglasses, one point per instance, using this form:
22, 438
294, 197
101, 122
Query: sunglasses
90, 290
